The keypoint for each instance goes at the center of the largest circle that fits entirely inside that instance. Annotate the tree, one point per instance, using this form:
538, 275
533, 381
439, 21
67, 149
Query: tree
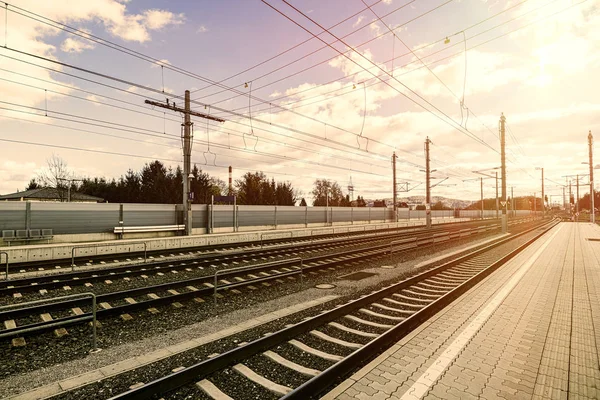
379, 203
285, 195
325, 192
33, 185
155, 184
420, 207
303, 203
360, 202
440, 206
250, 188
56, 175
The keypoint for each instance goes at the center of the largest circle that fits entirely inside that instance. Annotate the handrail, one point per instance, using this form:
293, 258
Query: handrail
25, 329
253, 267
85, 246
6, 254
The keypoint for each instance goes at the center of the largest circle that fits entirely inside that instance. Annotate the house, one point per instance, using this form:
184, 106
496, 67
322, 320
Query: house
50, 194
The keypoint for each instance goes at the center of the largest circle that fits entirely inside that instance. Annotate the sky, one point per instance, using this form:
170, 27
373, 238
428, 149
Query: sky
308, 90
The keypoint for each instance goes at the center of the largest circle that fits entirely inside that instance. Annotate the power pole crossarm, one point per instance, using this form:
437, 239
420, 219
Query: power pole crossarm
172, 107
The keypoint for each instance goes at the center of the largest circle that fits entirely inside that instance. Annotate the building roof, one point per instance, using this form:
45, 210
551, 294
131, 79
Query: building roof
49, 194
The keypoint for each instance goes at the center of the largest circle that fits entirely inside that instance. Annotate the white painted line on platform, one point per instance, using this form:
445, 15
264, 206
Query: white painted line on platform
426, 381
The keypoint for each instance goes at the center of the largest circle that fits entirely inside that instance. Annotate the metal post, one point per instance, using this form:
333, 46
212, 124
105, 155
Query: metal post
497, 205
306, 217
428, 185
235, 223
395, 192
512, 202
481, 184
212, 214
504, 221
275, 217
28, 215
6, 254
577, 202
187, 153
570, 194
591, 156
543, 197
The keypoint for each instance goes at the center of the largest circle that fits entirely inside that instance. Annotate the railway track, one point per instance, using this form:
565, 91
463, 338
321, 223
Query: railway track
104, 260
216, 259
44, 317
302, 360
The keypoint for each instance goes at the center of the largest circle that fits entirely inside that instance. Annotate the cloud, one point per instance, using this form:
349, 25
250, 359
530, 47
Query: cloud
202, 29
72, 45
158, 19
358, 21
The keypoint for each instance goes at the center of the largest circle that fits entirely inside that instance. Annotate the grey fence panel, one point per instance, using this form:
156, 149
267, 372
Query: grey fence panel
361, 214
148, 214
290, 215
403, 213
256, 215
12, 215
74, 218
316, 215
199, 215
341, 214
223, 215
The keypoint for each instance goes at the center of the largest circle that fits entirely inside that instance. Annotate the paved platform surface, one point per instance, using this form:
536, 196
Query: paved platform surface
531, 330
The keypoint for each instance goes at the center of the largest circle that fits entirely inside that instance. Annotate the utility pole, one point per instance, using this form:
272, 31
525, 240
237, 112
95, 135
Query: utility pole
534, 205
230, 188
577, 202
512, 201
497, 206
564, 202
591, 156
187, 151
427, 183
481, 184
570, 194
504, 221
395, 189
543, 198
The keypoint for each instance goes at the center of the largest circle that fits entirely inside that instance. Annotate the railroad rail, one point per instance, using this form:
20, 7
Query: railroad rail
192, 251
212, 260
147, 297
338, 341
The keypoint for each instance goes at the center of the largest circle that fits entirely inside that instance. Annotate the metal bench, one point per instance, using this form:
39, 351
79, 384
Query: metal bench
141, 229
26, 235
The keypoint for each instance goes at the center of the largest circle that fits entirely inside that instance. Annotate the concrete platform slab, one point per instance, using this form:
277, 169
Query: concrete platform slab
531, 330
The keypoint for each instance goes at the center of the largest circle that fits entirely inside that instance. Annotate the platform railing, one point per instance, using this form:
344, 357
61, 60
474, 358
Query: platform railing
87, 246
83, 318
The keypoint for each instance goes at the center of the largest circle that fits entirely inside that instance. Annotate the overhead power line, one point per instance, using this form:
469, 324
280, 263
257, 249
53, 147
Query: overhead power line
123, 49
467, 133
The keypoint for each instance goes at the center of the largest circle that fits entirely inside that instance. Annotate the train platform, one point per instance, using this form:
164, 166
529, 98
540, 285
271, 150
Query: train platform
530, 330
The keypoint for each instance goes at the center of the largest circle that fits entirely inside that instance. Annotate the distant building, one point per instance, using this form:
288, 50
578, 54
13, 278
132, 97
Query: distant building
50, 194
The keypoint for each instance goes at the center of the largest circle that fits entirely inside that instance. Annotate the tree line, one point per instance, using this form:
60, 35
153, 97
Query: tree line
155, 183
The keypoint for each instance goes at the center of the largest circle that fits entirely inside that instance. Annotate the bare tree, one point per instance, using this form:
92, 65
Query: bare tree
56, 175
